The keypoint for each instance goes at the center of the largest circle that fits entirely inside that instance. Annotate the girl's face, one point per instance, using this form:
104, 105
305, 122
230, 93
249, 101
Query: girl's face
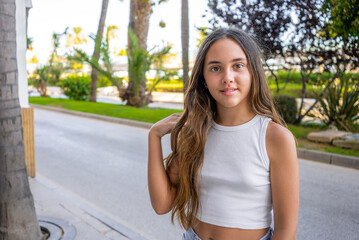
227, 75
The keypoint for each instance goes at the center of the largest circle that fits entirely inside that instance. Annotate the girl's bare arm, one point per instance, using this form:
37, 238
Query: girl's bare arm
161, 187
284, 174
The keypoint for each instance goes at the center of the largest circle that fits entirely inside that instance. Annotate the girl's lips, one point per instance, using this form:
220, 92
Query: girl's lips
228, 91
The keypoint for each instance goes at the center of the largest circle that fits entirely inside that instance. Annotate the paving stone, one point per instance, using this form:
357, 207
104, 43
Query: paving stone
85, 217
87, 232
347, 143
326, 136
115, 235
352, 137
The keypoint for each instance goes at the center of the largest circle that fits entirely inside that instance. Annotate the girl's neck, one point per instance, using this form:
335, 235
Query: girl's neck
231, 117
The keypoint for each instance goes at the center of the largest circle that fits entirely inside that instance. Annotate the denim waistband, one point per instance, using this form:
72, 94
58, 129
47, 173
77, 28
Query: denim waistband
191, 235
268, 235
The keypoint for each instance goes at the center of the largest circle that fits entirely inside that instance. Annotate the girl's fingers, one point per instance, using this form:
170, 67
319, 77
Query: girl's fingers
176, 115
166, 125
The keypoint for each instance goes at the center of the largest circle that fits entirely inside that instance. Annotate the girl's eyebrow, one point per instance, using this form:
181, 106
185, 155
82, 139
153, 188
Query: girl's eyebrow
233, 60
239, 59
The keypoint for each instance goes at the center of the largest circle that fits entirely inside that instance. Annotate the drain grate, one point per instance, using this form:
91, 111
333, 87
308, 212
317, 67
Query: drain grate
58, 228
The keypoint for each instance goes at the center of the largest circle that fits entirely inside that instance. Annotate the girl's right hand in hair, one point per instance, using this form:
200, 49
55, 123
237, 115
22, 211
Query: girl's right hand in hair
165, 125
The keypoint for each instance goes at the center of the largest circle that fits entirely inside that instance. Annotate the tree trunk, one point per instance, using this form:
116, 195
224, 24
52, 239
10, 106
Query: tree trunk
273, 74
96, 52
18, 219
304, 87
140, 11
185, 39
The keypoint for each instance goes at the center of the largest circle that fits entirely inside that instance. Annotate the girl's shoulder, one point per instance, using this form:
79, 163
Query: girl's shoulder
279, 141
278, 132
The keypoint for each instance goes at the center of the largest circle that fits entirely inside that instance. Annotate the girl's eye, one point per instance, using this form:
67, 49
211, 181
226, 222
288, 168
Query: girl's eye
238, 66
215, 69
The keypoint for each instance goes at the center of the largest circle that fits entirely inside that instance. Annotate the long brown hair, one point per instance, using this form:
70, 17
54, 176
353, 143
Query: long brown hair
188, 138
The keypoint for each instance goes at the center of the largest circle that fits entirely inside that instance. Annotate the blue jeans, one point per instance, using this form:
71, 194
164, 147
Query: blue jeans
191, 235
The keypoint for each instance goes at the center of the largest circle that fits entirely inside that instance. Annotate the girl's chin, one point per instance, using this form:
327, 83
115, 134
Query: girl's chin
229, 104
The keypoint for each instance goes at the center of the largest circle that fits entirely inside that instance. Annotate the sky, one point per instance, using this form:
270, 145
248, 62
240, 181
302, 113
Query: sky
53, 16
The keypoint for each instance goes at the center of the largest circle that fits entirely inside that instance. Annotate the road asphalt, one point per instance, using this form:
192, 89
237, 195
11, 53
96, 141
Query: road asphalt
79, 219
330, 158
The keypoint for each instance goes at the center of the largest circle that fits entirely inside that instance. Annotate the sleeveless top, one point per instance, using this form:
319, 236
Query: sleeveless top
234, 183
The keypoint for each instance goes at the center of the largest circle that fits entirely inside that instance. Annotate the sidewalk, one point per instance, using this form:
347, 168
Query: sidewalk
61, 210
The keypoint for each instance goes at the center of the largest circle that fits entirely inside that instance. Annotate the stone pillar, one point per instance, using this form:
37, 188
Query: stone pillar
27, 113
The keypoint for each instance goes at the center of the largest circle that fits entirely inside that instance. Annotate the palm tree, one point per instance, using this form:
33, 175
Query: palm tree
106, 69
96, 52
185, 37
17, 211
48, 70
140, 11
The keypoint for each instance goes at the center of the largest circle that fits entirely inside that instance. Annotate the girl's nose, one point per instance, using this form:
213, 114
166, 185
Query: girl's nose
228, 77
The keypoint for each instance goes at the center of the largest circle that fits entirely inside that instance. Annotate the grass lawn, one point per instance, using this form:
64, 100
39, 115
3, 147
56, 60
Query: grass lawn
294, 90
152, 115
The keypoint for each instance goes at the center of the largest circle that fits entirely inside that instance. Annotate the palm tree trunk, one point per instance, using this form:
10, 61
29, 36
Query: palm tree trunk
17, 211
140, 11
96, 52
141, 21
185, 39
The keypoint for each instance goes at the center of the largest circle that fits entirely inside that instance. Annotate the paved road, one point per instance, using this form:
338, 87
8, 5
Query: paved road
106, 164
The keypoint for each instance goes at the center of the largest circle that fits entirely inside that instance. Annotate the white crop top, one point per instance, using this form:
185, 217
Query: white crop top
234, 183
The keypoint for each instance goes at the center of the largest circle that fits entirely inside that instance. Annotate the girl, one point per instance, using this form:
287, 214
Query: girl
232, 159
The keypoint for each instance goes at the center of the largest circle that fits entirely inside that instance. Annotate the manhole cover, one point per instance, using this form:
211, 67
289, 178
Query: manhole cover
57, 228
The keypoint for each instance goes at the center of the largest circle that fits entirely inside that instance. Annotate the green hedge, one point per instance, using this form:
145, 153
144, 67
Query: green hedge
286, 107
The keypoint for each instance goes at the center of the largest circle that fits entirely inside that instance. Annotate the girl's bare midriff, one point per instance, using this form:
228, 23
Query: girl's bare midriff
208, 231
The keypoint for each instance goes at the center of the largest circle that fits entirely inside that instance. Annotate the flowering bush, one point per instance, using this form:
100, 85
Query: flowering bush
76, 87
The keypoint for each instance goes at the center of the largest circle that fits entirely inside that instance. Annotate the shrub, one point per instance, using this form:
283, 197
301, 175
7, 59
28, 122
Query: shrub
286, 107
320, 78
341, 105
40, 80
76, 87
173, 85
103, 81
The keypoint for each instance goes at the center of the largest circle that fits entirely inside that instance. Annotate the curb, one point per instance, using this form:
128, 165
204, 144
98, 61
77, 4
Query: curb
329, 158
132, 123
312, 155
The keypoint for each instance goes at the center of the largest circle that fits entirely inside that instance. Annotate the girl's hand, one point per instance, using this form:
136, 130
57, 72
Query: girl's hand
165, 125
